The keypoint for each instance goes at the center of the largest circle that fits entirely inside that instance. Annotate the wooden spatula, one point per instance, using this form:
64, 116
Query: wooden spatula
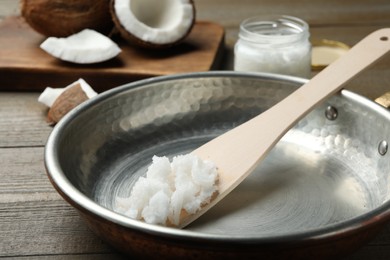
239, 150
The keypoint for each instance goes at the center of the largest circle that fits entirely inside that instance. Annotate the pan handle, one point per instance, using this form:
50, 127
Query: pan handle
384, 100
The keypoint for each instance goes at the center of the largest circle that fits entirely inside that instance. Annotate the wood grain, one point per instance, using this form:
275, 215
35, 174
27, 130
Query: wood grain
36, 222
31, 209
22, 120
25, 66
33, 217
317, 13
250, 142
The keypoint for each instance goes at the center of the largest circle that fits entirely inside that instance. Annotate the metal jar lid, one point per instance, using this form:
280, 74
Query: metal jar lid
325, 52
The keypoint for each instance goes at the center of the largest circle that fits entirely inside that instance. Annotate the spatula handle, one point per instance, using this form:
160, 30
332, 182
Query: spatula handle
326, 83
340, 72
239, 150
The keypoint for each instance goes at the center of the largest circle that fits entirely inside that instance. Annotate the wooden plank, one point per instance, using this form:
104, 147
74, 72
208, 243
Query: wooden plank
317, 13
34, 219
30, 208
45, 227
22, 120
376, 80
25, 66
102, 256
378, 247
372, 83
371, 252
25, 174
39, 223
8, 7
228, 12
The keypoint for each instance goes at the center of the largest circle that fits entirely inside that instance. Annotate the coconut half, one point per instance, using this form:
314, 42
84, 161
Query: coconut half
61, 18
151, 23
85, 47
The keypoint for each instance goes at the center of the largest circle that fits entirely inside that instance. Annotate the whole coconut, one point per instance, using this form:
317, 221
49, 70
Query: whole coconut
61, 18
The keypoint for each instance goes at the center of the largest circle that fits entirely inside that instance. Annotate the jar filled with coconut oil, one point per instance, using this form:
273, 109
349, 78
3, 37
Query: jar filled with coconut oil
276, 44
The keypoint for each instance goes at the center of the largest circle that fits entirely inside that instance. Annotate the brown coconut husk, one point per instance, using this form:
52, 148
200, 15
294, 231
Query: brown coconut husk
61, 18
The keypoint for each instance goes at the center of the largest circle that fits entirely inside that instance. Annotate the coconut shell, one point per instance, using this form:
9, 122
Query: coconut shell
69, 99
61, 18
132, 39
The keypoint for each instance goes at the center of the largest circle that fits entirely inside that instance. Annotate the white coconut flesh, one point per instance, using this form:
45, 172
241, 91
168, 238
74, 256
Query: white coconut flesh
85, 47
49, 95
158, 22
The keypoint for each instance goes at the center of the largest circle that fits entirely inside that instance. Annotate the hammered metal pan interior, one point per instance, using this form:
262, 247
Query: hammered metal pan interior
327, 180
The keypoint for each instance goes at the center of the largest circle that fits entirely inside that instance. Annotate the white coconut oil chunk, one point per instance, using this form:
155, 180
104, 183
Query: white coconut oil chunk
169, 189
85, 47
159, 22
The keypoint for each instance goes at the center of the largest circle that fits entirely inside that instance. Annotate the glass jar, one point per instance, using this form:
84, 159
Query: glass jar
276, 44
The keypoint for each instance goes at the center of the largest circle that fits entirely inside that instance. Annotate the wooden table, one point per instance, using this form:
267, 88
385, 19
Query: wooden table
35, 222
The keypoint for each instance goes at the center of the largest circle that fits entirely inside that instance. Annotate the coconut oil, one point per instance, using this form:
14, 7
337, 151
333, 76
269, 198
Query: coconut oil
276, 44
169, 188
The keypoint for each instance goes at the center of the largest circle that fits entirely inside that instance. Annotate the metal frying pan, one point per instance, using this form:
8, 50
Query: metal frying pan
323, 191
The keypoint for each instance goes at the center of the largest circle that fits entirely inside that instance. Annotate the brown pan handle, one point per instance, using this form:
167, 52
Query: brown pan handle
384, 100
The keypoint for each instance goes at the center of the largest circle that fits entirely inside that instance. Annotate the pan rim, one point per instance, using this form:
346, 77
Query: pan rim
83, 203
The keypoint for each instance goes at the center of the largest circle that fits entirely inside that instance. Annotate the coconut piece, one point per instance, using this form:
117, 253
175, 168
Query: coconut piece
153, 24
170, 190
68, 100
87, 46
49, 95
61, 18
62, 100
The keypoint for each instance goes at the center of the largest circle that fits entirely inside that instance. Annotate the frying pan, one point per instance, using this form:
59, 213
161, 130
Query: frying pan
323, 191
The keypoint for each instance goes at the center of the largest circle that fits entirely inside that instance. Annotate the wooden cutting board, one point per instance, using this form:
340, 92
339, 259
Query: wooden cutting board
25, 66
